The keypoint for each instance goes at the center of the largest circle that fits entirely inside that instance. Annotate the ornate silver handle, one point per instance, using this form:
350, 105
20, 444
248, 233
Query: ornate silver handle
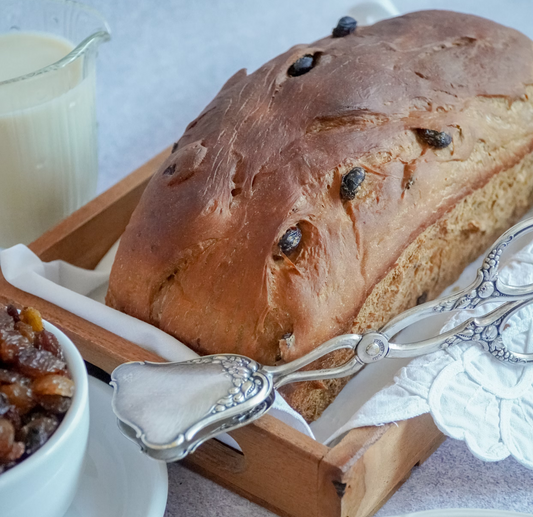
484, 330
169, 409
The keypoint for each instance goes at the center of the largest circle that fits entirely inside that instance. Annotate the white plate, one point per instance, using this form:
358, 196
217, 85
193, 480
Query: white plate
117, 480
464, 512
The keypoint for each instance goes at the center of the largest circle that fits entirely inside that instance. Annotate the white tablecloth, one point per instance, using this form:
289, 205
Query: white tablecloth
166, 61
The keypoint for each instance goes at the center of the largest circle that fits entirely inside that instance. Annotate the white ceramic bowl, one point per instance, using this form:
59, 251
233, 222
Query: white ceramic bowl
44, 484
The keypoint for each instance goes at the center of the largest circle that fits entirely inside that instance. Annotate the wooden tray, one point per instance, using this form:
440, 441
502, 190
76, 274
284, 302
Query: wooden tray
280, 468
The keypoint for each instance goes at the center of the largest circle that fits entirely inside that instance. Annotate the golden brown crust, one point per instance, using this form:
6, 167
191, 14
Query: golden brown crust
199, 257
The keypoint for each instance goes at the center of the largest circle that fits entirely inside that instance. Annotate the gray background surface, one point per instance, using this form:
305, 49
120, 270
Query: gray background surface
166, 61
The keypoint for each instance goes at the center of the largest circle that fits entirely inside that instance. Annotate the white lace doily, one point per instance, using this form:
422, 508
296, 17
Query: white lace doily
471, 396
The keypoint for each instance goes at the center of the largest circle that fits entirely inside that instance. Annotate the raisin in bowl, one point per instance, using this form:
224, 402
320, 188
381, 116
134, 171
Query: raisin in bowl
44, 416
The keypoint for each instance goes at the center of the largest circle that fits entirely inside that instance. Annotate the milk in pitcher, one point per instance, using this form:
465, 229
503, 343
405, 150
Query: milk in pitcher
48, 152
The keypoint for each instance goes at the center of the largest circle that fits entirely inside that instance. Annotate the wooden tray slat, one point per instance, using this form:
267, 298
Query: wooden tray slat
375, 461
272, 452
280, 468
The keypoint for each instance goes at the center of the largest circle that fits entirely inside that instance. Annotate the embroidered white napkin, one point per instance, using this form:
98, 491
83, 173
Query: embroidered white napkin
471, 396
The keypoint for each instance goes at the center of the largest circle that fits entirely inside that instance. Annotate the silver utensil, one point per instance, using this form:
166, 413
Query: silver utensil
169, 409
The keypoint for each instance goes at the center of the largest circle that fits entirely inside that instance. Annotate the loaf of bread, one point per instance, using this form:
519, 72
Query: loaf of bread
336, 186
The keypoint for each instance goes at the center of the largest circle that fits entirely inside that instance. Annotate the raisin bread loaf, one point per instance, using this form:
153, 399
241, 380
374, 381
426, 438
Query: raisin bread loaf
336, 186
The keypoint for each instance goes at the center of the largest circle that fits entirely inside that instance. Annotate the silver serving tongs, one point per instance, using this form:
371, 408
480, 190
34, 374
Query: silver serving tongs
169, 409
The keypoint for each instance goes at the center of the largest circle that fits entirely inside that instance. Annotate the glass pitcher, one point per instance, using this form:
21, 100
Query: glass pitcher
48, 141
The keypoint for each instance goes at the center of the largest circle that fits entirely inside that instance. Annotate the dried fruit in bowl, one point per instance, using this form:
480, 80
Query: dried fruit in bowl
35, 386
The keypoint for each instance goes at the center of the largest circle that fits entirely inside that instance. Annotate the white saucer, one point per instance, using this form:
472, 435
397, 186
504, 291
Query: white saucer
464, 512
117, 480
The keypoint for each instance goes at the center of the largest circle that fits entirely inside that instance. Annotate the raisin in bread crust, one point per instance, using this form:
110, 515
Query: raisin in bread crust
200, 258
